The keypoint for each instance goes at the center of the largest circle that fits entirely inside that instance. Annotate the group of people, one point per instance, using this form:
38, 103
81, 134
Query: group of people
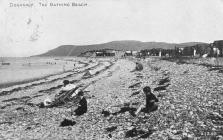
149, 106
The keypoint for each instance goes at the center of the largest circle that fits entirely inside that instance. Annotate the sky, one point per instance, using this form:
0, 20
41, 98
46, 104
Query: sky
28, 31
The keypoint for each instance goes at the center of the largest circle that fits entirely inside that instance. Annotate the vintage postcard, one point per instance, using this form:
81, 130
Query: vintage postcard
111, 69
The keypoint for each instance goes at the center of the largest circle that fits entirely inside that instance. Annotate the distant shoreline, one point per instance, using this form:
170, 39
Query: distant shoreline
9, 84
20, 72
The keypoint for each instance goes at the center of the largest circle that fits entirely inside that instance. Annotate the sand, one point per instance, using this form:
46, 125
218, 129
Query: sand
190, 103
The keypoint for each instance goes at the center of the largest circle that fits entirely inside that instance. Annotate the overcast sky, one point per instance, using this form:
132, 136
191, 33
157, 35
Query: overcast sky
30, 31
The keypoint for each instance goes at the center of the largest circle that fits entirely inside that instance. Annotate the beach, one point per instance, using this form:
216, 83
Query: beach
190, 102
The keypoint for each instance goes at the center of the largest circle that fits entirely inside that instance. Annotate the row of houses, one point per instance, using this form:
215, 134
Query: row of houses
214, 49
116, 53
104, 53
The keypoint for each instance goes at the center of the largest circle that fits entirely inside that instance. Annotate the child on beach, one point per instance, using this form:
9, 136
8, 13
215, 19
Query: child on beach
151, 101
139, 66
82, 105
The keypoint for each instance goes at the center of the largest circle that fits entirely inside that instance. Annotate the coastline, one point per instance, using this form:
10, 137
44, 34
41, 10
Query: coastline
25, 81
23, 70
185, 104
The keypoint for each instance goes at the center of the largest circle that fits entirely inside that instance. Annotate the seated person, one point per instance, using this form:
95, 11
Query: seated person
66, 87
151, 101
139, 66
82, 105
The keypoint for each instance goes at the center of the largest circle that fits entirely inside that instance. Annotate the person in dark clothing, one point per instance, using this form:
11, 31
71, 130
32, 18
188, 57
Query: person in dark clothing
151, 100
82, 105
139, 66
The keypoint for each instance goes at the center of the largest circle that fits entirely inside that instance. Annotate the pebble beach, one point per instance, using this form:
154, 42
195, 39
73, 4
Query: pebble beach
190, 103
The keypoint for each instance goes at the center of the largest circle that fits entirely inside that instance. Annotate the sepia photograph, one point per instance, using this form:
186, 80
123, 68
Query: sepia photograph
111, 69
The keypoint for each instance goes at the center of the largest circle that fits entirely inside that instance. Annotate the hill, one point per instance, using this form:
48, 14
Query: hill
76, 50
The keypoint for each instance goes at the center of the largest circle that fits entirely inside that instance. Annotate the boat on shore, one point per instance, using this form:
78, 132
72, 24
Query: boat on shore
5, 63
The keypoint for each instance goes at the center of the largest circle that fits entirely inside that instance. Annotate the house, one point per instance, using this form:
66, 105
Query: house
219, 44
202, 49
99, 53
128, 53
195, 50
156, 52
134, 53
179, 51
109, 52
119, 54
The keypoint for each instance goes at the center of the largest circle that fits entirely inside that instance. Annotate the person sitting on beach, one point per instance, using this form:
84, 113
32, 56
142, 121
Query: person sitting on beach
66, 87
82, 105
151, 101
138, 67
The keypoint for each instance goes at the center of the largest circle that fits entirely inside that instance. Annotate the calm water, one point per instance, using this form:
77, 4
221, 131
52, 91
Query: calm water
34, 67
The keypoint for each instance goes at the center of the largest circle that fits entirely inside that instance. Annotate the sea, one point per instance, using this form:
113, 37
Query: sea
19, 69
